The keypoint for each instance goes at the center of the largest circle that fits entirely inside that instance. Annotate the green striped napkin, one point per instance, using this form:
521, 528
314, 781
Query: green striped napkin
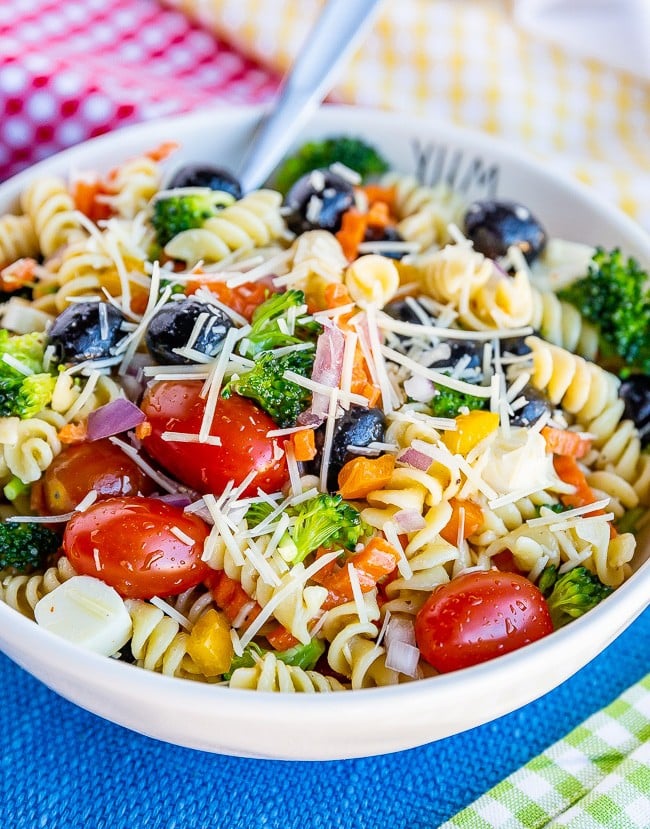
597, 776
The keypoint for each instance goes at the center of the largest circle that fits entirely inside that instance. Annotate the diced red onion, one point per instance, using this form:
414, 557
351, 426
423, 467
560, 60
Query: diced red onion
309, 419
418, 460
175, 499
403, 658
402, 653
419, 388
328, 364
115, 417
409, 520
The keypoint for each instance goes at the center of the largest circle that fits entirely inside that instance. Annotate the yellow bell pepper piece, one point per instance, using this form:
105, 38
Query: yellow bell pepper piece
210, 645
471, 429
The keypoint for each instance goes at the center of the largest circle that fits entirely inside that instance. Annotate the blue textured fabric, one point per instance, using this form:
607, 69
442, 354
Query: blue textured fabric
63, 767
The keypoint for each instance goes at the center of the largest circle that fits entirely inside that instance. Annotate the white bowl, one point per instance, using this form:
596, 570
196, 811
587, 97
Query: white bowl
378, 720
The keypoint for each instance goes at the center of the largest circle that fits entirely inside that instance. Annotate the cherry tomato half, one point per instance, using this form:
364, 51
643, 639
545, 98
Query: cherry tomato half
101, 466
244, 299
478, 616
139, 546
238, 422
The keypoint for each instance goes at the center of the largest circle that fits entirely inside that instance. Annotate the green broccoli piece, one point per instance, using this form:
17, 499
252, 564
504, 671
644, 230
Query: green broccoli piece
23, 395
269, 325
266, 385
24, 546
354, 153
301, 656
325, 519
257, 513
448, 402
175, 213
615, 297
572, 594
629, 521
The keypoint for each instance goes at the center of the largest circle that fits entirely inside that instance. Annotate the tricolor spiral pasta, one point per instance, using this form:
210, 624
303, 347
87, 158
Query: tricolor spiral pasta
561, 324
35, 446
157, 642
133, 185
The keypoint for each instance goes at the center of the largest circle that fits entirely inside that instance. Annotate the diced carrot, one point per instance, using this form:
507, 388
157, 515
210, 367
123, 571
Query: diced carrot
565, 442
18, 274
162, 151
73, 433
243, 299
568, 470
372, 393
472, 520
377, 559
337, 294
361, 475
353, 229
143, 430
377, 193
86, 191
304, 445
379, 215
281, 639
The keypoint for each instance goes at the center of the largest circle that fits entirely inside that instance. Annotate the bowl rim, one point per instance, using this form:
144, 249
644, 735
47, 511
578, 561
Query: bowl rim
613, 614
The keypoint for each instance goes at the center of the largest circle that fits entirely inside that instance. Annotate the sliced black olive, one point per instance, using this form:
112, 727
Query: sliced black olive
173, 325
317, 201
536, 405
459, 349
205, 175
635, 393
404, 310
385, 234
86, 331
494, 226
515, 346
357, 427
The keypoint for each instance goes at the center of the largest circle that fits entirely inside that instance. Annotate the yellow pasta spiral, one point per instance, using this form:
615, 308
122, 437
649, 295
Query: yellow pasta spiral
52, 211
23, 592
157, 643
17, 239
561, 324
270, 674
250, 222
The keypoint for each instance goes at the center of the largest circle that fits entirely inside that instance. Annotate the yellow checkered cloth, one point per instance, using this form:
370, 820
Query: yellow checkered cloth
463, 61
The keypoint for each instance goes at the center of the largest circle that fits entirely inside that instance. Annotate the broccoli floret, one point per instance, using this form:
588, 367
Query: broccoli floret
257, 512
629, 521
572, 594
266, 385
23, 395
174, 214
325, 519
448, 402
354, 153
24, 546
269, 325
615, 297
301, 656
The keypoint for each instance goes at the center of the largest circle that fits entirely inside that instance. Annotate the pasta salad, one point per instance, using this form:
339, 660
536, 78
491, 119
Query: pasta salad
346, 430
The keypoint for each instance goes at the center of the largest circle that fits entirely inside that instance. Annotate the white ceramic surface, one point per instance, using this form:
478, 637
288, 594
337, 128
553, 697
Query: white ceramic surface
379, 720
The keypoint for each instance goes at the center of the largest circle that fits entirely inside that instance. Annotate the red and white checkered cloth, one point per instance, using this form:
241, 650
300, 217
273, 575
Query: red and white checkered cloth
72, 69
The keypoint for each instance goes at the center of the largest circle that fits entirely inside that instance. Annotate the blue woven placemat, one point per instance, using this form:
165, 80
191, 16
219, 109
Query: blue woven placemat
62, 767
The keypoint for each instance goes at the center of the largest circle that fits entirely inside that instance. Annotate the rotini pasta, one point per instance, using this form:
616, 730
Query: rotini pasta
17, 239
52, 212
282, 484
269, 674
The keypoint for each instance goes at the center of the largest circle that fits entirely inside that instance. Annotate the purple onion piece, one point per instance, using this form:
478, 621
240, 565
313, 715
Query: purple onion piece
115, 417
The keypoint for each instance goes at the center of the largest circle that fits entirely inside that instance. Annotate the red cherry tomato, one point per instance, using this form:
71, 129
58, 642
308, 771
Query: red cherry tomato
238, 422
244, 299
478, 616
137, 546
